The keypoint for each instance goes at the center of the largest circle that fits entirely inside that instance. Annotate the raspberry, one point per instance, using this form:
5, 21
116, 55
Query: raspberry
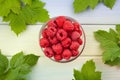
51, 23
75, 52
75, 45
61, 34
66, 42
76, 26
44, 42
69, 34
80, 32
80, 41
68, 26
60, 20
58, 57
57, 48
75, 35
66, 54
53, 40
51, 31
44, 34
48, 52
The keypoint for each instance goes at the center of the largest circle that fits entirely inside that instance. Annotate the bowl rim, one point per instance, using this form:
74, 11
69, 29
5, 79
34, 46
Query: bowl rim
83, 34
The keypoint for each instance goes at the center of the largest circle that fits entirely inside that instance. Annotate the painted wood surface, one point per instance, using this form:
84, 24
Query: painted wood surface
91, 20
50, 70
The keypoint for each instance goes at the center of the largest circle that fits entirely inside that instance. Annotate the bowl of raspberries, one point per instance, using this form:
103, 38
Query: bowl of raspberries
62, 39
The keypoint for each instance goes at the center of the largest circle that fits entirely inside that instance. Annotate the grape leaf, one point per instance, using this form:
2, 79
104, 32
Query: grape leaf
109, 3
110, 42
87, 72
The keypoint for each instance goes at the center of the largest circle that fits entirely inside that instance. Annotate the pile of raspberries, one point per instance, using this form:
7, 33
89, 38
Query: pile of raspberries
61, 39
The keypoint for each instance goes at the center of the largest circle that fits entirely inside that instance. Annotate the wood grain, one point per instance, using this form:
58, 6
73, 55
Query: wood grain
49, 70
91, 20
28, 41
100, 15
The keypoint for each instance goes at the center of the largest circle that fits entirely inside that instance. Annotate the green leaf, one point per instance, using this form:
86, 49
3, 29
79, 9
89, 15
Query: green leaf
27, 1
100, 0
31, 59
114, 35
12, 74
115, 62
110, 42
78, 75
102, 36
118, 28
39, 13
35, 13
87, 72
93, 3
21, 79
22, 13
109, 3
7, 5
3, 64
1, 1
81, 5
24, 69
17, 23
20, 65
17, 60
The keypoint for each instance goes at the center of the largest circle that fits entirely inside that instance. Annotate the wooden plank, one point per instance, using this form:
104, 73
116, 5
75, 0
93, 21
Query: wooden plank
100, 15
28, 40
50, 70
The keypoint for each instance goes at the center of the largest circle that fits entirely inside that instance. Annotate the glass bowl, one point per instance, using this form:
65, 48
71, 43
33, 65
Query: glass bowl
82, 37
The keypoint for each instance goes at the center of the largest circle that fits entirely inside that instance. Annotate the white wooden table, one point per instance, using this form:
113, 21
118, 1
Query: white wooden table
91, 20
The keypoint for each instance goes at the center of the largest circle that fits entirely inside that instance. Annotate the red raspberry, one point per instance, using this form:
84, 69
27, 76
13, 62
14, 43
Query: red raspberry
75, 52
80, 32
60, 20
48, 52
80, 41
51, 31
53, 40
61, 34
76, 26
66, 42
44, 34
44, 42
68, 26
67, 54
75, 35
75, 45
58, 57
69, 34
57, 48
51, 23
